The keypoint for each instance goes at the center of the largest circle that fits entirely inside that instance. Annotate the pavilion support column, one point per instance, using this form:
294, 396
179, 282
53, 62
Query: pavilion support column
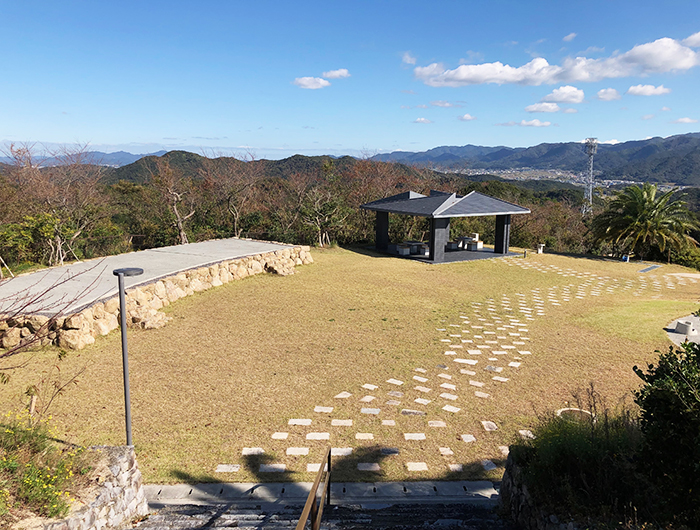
439, 236
382, 231
502, 234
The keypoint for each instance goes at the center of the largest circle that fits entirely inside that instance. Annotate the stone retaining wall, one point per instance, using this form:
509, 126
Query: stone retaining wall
517, 502
120, 500
143, 303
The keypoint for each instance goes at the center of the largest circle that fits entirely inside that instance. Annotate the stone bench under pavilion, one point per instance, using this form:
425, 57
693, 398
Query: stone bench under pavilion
439, 207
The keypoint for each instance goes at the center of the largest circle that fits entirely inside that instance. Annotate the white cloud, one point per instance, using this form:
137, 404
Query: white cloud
543, 107
445, 104
693, 41
422, 120
311, 83
659, 56
665, 109
337, 74
648, 117
565, 94
524, 123
569, 111
648, 90
569, 37
466, 117
608, 94
685, 120
408, 58
610, 142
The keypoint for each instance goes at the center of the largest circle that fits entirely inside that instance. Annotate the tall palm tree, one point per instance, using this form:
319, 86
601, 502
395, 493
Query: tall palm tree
639, 219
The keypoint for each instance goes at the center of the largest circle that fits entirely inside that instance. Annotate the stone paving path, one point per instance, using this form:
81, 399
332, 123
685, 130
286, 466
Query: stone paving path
484, 348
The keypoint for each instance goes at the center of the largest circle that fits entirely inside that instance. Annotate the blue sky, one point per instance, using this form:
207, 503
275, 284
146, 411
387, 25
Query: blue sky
279, 78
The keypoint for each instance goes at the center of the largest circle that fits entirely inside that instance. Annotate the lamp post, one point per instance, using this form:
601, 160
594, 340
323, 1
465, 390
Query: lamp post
121, 273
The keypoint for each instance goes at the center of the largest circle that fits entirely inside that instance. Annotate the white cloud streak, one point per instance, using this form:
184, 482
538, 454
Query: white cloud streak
569, 37
660, 56
311, 83
444, 104
543, 107
408, 58
693, 41
685, 120
648, 90
422, 120
648, 117
466, 117
565, 94
608, 94
525, 123
337, 74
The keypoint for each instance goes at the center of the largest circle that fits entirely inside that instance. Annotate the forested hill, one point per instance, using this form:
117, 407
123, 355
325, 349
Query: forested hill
674, 159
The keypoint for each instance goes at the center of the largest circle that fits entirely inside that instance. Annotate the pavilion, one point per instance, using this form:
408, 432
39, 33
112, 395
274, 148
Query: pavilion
439, 208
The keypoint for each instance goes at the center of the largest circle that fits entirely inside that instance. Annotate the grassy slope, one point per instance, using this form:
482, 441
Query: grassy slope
238, 361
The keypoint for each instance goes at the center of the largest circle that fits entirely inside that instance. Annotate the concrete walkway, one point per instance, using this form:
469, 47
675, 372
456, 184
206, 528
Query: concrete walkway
280, 493
73, 287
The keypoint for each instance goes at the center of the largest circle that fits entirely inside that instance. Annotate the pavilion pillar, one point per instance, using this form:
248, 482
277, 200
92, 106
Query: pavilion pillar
502, 234
439, 236
382, 231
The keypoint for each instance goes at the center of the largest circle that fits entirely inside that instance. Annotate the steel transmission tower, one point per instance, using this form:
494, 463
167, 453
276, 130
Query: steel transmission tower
591, 148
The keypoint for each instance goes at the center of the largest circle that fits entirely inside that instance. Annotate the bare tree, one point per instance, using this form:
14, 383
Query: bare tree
174, 189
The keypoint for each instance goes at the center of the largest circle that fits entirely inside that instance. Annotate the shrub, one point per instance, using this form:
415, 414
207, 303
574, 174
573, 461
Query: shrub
670, 421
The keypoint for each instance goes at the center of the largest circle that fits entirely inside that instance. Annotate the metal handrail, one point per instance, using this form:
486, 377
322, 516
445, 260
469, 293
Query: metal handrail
312, 507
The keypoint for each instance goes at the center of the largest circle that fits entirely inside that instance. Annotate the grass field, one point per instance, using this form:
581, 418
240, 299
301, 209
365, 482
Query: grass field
237, 362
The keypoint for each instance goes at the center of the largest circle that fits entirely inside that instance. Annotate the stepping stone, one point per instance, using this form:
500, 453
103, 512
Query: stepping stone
367, 399
343, 395
455, 468
451, 397
448, 352
341, 451
448, 386
456, 346
479, 394
445, 340
323, 409
341, 423
450, 408
467, 361
370, 387
389, 423
318, 436
489, 426
370, 411
519, 343
476, 383
446, 451
297, 451
488, 465
389, 451
514, 364
299, 421
250, 451
272, 468
455, 335
437, 423
474, 352
420, 379
498, 353
414, 436
445, 376
393, 402
504, 449
422, 389
368, 466
421, 370
395, 393
468, 438
227, 468
440, 329
524, 352
417, 466
280, 435
505, 347
466, 372
364, 436
314, 468
410, 412
526, 434
422, 401
499, 378
395, 382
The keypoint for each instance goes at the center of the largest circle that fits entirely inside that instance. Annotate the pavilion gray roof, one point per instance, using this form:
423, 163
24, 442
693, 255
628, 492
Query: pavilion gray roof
443, 205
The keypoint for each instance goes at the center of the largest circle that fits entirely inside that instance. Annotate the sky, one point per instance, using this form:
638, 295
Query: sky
275, 78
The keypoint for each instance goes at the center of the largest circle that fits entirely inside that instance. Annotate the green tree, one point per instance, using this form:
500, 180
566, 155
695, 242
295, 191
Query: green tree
639, 220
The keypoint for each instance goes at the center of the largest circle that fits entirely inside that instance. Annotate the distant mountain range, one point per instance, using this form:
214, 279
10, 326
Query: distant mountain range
116, 159
673, 159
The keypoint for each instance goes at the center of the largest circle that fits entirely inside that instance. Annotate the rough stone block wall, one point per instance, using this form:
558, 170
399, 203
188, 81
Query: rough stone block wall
143, 303
121, 499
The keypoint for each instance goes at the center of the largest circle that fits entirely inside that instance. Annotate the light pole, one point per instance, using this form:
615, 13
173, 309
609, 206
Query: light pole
120, 273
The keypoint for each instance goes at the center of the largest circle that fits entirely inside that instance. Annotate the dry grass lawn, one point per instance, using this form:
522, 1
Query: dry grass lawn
237, 362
